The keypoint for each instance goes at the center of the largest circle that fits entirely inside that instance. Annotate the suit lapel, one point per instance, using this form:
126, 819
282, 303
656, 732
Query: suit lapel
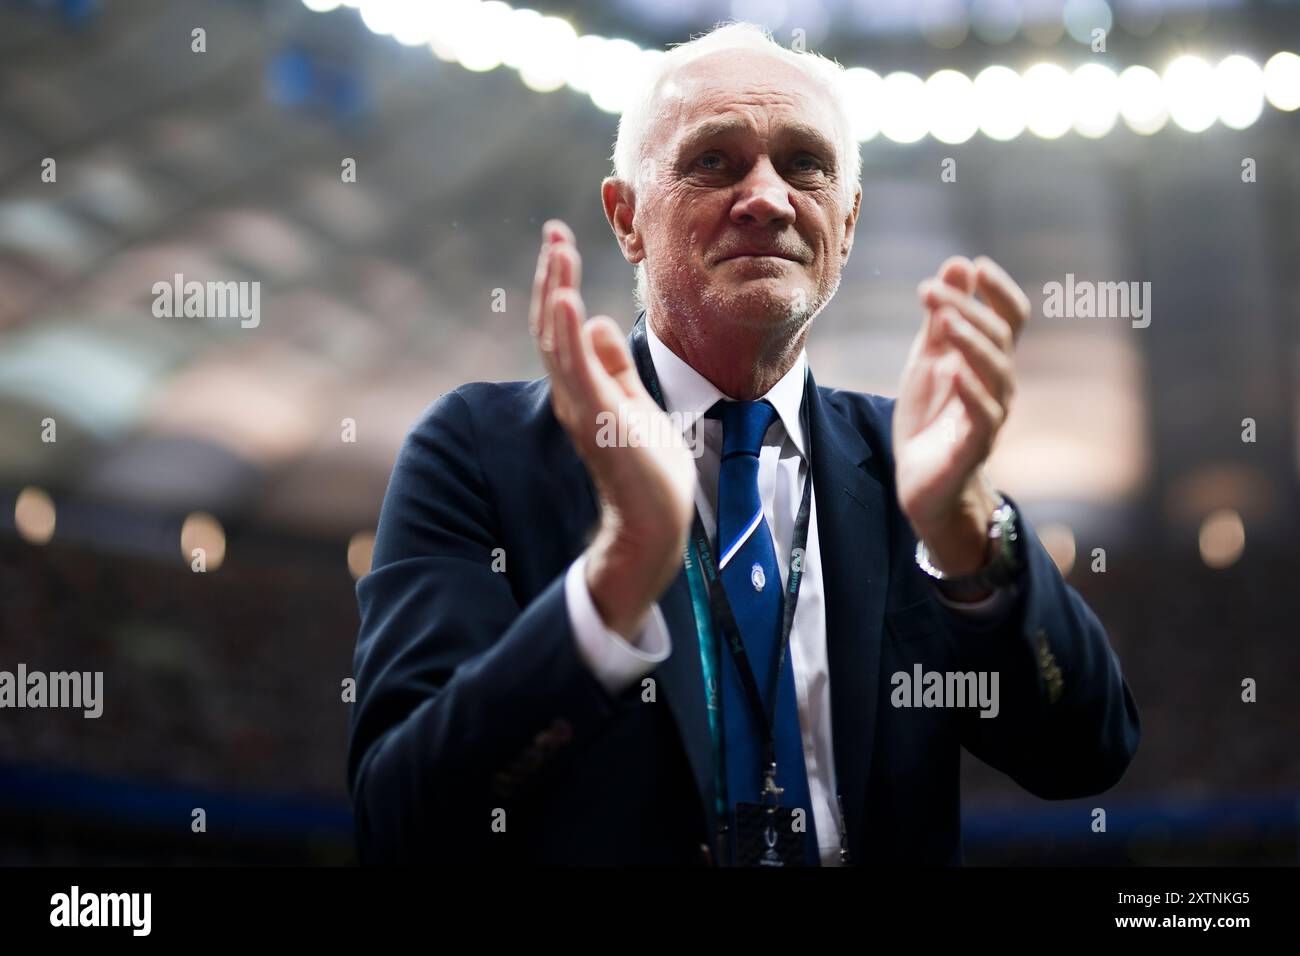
681, 680
853, 534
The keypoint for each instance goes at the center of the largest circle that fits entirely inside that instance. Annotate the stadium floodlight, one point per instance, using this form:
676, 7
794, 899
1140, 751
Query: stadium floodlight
1046, 99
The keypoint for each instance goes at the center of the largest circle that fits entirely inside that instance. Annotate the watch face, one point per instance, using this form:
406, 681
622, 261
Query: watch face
1004, 517
1001, 568
1012, 551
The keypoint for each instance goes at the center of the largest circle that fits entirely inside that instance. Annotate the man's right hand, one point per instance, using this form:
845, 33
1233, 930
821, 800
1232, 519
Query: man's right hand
646, 487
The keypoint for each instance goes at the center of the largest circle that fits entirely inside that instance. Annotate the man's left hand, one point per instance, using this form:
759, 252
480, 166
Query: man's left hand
954, 397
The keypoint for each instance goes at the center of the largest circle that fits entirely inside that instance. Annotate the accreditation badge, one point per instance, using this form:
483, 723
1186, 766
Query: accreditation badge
766, 836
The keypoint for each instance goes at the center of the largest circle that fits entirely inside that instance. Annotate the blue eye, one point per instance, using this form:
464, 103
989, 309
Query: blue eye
812, 164
708, 159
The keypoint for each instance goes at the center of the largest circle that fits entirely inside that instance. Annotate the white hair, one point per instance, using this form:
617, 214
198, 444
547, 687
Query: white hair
634, 123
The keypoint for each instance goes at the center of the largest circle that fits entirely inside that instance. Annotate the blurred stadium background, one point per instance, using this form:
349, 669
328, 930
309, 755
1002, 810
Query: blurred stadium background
470, 125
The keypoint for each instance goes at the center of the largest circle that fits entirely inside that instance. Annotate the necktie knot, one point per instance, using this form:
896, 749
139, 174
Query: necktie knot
743, 425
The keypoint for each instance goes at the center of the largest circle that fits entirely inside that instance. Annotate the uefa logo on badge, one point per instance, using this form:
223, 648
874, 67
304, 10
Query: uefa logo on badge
757, 577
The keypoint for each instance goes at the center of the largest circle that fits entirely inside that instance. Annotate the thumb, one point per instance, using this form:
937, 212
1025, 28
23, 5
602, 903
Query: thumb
612, 351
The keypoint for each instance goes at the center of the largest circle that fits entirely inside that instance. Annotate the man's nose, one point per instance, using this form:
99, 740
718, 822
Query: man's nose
764, 197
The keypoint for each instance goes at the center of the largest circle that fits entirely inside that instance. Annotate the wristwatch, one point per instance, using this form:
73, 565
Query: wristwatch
1002, 568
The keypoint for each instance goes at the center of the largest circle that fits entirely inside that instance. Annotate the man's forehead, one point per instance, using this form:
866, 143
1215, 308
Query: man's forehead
734, 83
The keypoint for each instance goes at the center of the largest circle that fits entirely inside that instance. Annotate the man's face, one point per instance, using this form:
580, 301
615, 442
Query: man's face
741, 204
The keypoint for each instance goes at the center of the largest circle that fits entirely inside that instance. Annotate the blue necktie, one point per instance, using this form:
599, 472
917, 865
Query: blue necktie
752, 582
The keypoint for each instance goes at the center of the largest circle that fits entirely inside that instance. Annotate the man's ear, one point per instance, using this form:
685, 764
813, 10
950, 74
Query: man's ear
619, 200
851, 223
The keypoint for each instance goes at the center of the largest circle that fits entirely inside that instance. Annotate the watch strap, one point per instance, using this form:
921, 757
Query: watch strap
1001, 569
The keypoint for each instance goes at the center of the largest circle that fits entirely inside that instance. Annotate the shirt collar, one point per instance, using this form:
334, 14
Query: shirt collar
690, 394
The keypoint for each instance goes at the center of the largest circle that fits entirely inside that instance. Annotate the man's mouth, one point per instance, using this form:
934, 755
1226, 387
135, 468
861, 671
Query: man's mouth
759, 254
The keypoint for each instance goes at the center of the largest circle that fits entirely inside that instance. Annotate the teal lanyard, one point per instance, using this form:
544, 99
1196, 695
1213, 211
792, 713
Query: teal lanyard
709, 658
709, 663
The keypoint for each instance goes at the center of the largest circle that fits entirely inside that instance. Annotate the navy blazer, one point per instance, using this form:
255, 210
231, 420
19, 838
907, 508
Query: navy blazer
479, 735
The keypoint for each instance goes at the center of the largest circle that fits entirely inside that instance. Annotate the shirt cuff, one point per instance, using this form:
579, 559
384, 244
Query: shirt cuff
989, 608
614, 662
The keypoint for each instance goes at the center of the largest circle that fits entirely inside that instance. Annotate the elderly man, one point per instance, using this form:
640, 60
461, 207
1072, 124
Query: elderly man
675, 602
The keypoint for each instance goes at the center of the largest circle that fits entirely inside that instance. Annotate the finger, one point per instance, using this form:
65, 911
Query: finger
553, 231
557, 230
565, 274
985, 413
576, 360
958, 272
988, 322
922, 341
570, 263
555, 235
563, 308
546, 331
538, 301
928, 340
1002, 292
991, 364
546, 345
